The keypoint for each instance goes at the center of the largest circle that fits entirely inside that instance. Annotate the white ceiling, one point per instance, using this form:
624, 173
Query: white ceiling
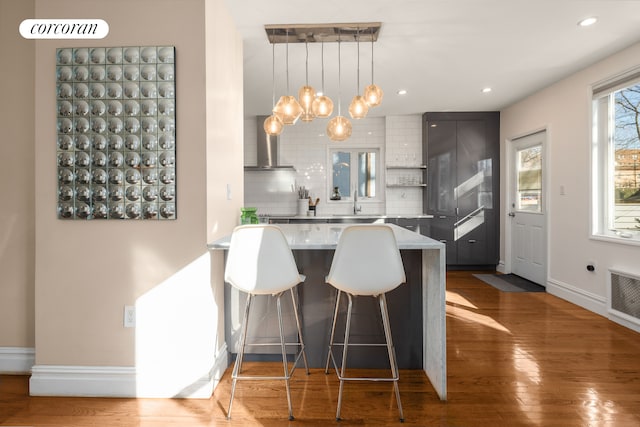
443, 52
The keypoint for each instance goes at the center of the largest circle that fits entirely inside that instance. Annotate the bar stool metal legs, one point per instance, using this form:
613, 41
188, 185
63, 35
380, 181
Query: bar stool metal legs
341, 371
391, 350
287, 373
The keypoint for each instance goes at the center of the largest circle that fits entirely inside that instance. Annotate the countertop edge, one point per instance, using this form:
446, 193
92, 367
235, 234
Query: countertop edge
414, 242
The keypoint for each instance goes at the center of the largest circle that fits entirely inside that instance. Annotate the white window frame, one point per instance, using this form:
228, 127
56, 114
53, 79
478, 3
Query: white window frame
602, 158
354, 150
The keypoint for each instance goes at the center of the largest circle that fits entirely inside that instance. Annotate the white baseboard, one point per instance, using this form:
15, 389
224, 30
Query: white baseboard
17, 360
584, 299
501, 267
108, 381
83, 381
619, 319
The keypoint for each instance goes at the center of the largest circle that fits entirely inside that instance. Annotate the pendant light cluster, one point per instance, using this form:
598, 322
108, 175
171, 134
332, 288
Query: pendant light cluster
309, 104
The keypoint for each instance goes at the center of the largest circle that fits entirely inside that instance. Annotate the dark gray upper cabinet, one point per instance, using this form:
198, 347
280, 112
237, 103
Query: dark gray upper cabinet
462, 153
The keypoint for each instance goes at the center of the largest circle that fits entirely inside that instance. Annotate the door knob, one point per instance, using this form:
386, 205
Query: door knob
512, 214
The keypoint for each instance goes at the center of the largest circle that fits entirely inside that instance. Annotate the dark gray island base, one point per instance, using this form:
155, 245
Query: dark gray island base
416, 308
317, 299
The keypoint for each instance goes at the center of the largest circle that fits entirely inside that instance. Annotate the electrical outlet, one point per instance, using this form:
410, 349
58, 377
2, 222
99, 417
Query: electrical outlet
129, 316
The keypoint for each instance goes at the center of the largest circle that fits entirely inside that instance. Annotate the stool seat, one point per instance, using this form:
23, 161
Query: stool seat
366, 262
260, 262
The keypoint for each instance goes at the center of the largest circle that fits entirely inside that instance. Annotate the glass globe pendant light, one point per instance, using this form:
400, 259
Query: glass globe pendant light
273, 124
358, 108
339, 128
306, 94
372, 93
288, 109
322, 105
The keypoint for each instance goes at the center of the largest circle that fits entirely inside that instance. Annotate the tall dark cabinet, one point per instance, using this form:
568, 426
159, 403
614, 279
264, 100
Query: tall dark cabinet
462, 153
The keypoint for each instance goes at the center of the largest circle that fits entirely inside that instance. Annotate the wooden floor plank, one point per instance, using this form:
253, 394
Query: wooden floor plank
514, 359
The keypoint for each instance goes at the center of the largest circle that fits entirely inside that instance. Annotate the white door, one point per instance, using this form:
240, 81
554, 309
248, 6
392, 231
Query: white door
527, 206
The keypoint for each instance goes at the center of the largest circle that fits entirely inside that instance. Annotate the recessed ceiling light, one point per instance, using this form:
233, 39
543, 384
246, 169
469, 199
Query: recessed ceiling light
486, 90
588, 21
402, 92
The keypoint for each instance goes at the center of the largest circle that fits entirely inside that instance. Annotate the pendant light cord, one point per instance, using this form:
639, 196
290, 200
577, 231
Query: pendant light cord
339, 72
358, 77
273, 74
371, 55
306, 47
322, 59
287, 33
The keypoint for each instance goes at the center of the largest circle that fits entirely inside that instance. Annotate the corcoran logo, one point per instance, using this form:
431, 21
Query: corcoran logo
64, 29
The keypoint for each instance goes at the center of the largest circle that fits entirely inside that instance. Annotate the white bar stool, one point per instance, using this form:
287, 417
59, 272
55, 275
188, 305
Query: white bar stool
366, 262
260, 262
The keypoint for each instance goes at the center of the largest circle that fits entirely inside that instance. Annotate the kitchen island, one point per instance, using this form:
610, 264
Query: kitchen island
420, 301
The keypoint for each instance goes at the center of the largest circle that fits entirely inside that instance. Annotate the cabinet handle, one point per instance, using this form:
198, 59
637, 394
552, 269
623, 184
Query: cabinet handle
442, 217
443, 241
472, 241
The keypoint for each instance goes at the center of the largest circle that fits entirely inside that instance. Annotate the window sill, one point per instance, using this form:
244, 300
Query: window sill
612, 237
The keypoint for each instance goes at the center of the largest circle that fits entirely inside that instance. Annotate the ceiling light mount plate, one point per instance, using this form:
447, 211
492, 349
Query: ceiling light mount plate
328, 33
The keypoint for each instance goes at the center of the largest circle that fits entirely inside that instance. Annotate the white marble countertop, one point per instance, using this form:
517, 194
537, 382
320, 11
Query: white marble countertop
325, 236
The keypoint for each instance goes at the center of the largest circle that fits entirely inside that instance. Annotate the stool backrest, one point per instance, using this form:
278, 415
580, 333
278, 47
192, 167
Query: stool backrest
260, 261
367, 260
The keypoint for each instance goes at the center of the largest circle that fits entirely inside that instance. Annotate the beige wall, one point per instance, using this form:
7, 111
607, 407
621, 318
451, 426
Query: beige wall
87, 271
564, 110
17, 216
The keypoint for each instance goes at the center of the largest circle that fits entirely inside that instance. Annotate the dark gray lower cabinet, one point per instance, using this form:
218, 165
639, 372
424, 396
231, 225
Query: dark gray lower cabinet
477, 243
462, 153
442, 230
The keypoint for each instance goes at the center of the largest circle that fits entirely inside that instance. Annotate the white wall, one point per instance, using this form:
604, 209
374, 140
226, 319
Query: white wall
564, 110
87, 271
306, 146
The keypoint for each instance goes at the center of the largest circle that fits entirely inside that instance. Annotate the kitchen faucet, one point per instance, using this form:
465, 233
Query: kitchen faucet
356, 208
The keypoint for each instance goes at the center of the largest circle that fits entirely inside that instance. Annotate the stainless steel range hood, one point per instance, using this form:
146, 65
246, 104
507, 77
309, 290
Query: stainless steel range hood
267, 146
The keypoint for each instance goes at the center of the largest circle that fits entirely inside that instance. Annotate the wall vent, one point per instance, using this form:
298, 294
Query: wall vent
624, 298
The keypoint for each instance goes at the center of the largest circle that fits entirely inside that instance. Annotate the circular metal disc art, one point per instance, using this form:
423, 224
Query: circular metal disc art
116, 136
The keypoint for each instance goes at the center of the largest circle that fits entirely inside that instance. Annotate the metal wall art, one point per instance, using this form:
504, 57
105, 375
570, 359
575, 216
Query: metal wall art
116, 135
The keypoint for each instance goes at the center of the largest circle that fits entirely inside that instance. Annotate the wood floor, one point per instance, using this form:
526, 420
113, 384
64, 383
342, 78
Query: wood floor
514, 359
